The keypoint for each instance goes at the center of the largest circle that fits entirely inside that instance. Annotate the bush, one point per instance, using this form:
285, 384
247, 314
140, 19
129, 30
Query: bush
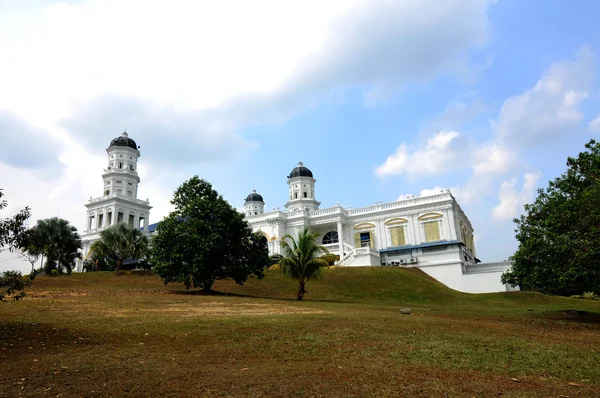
12, 284
54, 272
589, 296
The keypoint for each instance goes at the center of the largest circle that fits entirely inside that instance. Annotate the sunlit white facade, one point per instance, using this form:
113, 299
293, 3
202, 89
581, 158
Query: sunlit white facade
431, 233
118, 202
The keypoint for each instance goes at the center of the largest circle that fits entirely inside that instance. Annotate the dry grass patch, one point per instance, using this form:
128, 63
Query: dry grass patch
102, 337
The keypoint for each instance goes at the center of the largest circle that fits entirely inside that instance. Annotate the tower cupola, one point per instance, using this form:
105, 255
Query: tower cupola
121, 176
301, 189
254, 204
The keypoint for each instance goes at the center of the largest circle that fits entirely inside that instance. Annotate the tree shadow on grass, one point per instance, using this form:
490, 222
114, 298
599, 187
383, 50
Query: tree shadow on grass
578, 316
215, 293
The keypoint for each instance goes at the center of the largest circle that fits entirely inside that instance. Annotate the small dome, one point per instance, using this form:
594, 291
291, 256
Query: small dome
123, 140
254, 197
300, 171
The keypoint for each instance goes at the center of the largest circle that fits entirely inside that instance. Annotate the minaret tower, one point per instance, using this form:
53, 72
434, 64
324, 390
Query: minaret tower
254, 204
301, 190
119, 202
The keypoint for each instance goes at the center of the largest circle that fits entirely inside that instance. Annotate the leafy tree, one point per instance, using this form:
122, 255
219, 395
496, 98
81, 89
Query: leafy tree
12, 282
31, 248
303, 259
58, 241
12, 229
119, 242
205, 239
559, 234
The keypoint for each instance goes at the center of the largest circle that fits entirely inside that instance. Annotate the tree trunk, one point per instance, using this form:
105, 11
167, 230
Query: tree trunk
208, 284
119, 261
301, 289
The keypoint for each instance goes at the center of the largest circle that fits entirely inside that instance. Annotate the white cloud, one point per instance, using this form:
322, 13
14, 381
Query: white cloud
594, 125
512, 200
549, 110
441, 153
546, 113
488, 163
433, 191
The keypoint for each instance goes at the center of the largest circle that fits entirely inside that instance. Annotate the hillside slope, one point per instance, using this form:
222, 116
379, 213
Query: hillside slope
376, 285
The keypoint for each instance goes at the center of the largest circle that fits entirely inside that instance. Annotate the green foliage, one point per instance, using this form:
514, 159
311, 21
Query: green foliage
274, 260
205, 239
57, 241
559, 236
12, 229
31, 247
99, 263
12, 282
303, 259
331, 258
590, 296
119, 242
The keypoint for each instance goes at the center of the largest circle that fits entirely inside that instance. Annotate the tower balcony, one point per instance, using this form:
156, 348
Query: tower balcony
119, 196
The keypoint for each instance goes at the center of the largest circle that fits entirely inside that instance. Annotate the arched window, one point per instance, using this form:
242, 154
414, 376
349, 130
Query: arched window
330, 237
265, 242
364, 235
431, 227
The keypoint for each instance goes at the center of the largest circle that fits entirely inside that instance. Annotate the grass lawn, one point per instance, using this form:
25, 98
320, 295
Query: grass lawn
103, 334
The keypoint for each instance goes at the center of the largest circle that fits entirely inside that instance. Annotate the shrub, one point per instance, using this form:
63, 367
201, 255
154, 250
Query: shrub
12, 284
590, 296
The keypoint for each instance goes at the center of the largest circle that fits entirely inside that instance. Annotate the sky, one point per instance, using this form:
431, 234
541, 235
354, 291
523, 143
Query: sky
380, 99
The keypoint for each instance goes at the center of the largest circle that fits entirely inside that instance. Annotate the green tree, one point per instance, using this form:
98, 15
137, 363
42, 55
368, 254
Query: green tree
559, 234
205, 239
97, 262
303, 259
31, 248
119, 242
12, 282
12, 229
58, 241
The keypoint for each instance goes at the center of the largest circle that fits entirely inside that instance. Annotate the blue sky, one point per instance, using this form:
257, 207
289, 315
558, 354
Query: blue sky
378, 98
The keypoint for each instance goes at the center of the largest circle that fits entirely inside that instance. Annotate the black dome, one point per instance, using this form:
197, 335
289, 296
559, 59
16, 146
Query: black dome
300, 171
123, 140
254, 197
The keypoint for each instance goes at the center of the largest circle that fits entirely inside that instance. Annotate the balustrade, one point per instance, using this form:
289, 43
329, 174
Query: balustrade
116, 195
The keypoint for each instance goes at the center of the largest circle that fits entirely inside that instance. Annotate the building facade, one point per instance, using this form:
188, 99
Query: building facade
118, 202
431, 233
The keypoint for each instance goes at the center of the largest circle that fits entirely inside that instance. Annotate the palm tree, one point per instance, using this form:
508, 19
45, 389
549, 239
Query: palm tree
121, 241
58, 241
303, 259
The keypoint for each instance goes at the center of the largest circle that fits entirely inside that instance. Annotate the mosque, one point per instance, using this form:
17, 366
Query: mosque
431, 233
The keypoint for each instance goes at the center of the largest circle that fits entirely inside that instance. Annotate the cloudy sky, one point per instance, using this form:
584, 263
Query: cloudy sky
380, 99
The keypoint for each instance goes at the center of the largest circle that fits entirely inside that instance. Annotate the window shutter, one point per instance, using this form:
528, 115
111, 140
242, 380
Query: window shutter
357, 239
401, 238
432, 231
394, 233
397, 234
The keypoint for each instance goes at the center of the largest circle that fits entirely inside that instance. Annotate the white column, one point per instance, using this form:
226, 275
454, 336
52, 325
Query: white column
382, 242
448, 230
416, 228
340, 230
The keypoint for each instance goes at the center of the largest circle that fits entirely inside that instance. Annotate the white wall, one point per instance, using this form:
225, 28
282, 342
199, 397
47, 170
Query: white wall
449, 274
488, 282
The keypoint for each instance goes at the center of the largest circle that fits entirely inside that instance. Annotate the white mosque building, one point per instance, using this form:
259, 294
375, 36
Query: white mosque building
431, 233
